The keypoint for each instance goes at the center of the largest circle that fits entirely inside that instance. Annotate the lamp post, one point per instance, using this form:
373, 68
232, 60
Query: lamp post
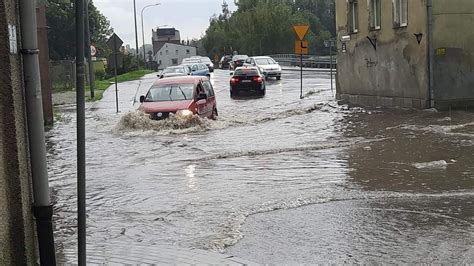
136, 31
143, 31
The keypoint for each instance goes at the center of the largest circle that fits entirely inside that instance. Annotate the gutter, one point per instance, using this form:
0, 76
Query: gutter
42, 208
431, 97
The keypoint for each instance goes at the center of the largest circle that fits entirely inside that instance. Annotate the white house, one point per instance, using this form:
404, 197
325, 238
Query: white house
171, 54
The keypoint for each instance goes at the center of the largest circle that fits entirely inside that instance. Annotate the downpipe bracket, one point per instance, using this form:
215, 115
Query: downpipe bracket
29, 51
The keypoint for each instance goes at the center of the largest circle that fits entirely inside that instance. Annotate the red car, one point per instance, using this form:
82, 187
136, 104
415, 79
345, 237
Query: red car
183, 96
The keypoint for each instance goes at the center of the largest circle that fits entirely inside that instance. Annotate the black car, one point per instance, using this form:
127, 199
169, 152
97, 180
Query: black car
238, 61
224, 63
247, 79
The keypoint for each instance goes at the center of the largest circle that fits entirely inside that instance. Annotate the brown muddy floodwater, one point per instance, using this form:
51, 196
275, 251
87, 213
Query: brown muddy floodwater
273, 180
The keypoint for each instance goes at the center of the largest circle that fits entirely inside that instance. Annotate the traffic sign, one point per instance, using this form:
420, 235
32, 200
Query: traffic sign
115, 42
301, 47
301, 31
93, 50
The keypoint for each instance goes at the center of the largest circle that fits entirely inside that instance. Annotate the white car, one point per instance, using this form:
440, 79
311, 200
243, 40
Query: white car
268, 66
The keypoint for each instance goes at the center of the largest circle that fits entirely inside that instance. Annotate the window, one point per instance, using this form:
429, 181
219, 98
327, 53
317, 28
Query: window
187, 51
177, 51
375, 12
174, 61
400, 13
208, 88
166, 51
353, 18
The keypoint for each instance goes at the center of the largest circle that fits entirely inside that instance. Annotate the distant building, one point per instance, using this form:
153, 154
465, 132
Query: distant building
172, 54
390, 56
168, 49
160, 36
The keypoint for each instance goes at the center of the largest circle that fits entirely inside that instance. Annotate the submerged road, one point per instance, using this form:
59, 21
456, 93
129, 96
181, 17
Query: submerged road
275, 179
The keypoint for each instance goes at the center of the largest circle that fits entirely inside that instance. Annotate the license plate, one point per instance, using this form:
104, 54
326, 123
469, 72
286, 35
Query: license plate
246, 81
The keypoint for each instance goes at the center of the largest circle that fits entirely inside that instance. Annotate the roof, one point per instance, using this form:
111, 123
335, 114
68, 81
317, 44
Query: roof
182, 79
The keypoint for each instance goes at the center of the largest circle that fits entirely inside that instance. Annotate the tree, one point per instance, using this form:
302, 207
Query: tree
60, 17
265, 26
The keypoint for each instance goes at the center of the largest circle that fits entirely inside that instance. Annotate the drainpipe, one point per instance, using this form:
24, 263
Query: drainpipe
42, 208
431, 97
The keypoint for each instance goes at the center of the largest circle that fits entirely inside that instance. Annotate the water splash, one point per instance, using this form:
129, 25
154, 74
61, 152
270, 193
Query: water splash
141, 121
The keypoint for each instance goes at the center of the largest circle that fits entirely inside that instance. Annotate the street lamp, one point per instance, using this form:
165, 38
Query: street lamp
143, 32
136, 31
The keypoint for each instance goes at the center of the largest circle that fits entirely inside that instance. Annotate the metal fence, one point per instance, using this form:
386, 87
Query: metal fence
308, 60
62, 74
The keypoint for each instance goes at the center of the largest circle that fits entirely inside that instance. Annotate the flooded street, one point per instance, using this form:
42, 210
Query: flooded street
273, 180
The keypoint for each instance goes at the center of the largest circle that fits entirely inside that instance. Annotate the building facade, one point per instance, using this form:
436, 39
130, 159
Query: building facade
406, 53
160, 36
172, 54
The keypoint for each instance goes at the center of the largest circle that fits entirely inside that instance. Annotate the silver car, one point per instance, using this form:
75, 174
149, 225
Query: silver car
175, 71
268, 66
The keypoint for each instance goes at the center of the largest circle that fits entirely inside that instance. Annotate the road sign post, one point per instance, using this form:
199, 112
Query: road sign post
301, 48
115, 43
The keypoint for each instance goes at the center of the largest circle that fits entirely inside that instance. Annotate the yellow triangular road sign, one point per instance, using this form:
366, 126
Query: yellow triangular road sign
301, 30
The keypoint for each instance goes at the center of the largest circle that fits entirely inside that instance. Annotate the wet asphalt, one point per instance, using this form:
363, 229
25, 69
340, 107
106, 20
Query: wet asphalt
276, 179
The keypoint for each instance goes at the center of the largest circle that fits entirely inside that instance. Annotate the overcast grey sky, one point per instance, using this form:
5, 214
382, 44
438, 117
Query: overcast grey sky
190, 17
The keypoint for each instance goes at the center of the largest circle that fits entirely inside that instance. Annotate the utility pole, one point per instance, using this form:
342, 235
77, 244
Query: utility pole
42, 208
81, 134
88, 51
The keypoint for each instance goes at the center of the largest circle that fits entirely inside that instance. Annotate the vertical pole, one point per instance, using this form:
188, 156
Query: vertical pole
136, 33
330, 55
81, 135
143, 36
42, 208
301, 73
431, 96
88, 51
115, 70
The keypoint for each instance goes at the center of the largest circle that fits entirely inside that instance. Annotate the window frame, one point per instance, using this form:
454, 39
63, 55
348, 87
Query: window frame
353, 17
375, 13
400, 13
207, 86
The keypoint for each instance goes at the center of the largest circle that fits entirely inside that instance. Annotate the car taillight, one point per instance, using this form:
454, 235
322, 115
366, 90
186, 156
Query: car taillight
258, 79
234, 80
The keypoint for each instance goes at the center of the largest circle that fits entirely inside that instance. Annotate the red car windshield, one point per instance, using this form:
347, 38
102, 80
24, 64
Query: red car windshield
165, 93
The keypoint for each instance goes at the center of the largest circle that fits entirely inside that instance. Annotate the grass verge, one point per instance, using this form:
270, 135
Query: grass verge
102, 85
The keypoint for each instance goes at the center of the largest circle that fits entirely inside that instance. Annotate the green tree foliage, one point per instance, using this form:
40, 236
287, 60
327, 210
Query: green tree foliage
61, 36
266, 26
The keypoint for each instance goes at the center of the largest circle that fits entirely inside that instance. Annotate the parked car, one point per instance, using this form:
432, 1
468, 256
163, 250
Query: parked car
238, 61
175, 71
198, 69
191, 60
247, 79
267, 65
182, 96
208, 62
224, 63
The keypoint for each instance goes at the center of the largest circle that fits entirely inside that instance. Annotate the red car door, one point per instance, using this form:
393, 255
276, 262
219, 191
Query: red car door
211, 98
201, 103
